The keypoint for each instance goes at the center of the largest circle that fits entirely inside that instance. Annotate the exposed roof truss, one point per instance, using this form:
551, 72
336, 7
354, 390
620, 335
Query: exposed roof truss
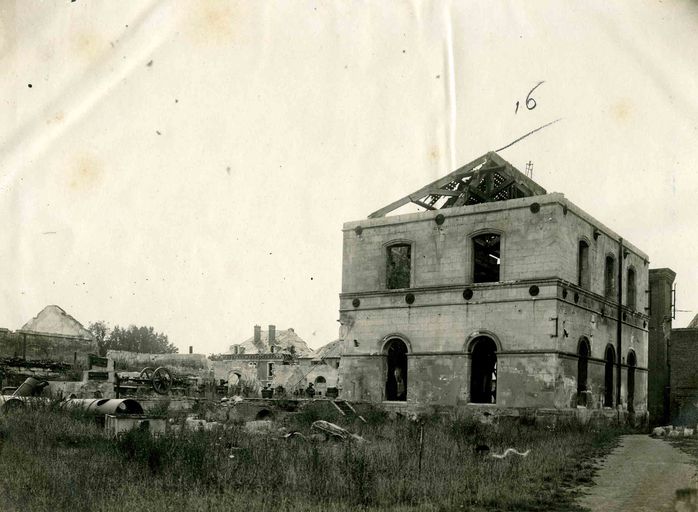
485, 179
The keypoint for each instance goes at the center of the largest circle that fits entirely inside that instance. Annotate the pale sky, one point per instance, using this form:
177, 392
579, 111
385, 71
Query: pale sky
189, 165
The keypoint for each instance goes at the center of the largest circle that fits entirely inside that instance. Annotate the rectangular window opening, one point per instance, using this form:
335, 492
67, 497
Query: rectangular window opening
399, 266
610, 278
486, 258
583, 265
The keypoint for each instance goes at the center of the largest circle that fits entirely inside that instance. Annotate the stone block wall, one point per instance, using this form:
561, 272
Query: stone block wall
536, 312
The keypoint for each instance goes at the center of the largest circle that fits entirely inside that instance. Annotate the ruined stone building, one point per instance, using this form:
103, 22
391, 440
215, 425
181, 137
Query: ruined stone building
53, 346
278, 359
499, 293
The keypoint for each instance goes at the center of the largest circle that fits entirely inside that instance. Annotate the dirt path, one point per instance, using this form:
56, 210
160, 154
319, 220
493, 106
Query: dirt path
642, 474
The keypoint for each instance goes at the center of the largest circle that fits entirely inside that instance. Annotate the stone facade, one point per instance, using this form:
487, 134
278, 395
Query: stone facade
527, 327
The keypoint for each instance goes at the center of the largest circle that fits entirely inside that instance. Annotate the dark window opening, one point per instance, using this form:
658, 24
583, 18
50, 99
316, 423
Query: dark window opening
632, 363
583, 265
486, 258
399, 266
608, 377
270, 370
632, 289
396, 380
483, 371
610, 278
582, 371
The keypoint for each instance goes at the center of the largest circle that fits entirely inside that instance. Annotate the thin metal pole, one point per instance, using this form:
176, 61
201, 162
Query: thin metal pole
619, 322
421, 449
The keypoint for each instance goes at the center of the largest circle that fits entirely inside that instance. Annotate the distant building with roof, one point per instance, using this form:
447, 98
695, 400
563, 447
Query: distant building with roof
51, 335
278, 358
53, 345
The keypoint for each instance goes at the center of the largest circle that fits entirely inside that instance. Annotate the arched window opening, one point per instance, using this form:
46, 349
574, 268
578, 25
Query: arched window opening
396, 380
320, 385
486, 258
632, 363
399, 267
582, 371
583, 265
610, 359
610, 278
483, 371
631, 299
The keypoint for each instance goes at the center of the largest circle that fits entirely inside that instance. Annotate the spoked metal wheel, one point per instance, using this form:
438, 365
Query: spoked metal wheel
146, 373
162, 380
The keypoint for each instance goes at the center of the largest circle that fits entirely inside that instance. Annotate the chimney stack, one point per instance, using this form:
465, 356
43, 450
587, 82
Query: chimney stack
191, 349
272, 335
257, 334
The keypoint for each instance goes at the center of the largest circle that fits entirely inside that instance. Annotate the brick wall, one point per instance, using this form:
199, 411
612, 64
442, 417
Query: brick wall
683, 357
661, 281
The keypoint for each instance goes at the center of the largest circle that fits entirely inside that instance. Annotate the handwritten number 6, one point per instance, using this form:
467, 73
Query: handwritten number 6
530, 102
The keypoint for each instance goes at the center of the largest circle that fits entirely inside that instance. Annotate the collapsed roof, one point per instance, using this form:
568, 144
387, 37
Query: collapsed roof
486, 179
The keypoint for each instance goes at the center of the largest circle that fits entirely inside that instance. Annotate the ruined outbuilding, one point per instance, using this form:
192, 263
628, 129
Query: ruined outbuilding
498, 294
55, 347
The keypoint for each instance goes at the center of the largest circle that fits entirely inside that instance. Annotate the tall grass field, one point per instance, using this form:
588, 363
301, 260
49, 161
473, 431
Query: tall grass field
57, 460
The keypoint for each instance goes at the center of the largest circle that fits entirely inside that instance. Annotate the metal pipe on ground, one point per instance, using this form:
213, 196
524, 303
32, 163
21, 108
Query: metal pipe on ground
30, 387
102, 406
10, 403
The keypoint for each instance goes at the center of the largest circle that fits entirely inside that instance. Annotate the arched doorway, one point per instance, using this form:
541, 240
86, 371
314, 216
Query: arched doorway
483, 371
582, 371
320, 386
610, 359
234, 384
396, 379
632, 363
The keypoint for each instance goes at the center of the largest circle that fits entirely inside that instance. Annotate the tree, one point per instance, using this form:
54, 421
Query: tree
132, 338
100, 330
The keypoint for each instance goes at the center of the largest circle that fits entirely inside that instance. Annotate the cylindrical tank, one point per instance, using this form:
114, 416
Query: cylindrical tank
102, 406
10, 403
30, 387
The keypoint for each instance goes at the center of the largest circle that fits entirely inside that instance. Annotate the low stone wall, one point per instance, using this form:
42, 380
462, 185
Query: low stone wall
526, 415
181, 364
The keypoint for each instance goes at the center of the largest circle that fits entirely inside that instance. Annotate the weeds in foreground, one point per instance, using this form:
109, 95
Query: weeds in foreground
58, 460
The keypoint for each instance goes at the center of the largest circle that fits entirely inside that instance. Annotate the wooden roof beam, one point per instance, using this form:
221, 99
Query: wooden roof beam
458, 174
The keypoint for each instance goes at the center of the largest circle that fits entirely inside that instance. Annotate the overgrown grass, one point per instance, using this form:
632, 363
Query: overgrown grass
54, 460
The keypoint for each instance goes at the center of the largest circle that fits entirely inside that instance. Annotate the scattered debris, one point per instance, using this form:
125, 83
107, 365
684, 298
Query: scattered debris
658, 432
673, 431
336, 431
482, 449
346, 409
508, 451
197, 424
259, 426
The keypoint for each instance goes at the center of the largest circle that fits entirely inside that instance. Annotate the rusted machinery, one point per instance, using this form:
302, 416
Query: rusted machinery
159, 380
31, 387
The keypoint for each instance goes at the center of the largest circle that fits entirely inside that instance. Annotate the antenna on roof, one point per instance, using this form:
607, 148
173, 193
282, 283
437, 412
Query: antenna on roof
529, 169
